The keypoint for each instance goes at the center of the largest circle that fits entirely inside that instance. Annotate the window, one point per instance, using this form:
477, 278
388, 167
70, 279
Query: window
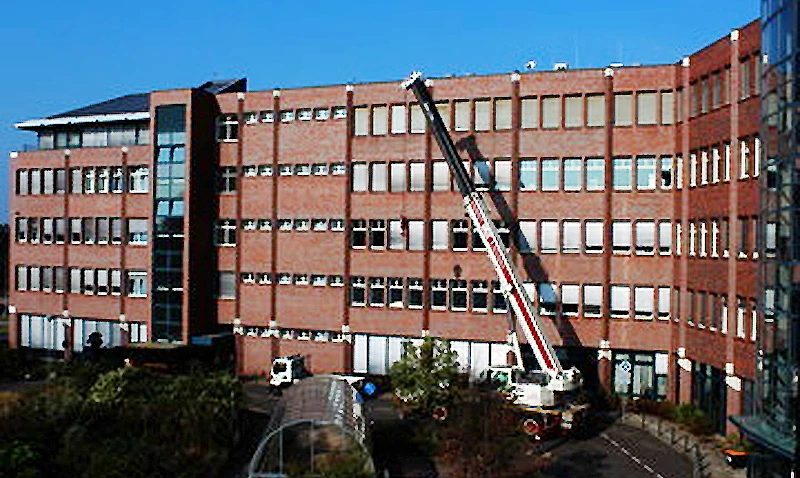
663, 302
770, 239
377, 234
645, 238
396, 292
595, 174
48, 181
227, 128
692, 170
620, 300
287, 116
692, 238
75, 285
339, 112
441, 176
377, 292
264, 278
360, 177
714, 238
137, 231
226, 232
399, 119
417, 173
573, 174
503, 232
23, 181
438, 294
502, 175
34, 281
573, 111
744, 160
592, 300
102, 282
499, 305
397, 172
103, 180
337, 225
704, 167
76, 230
304, 114
250, 171
678, 172
88, 181
59, 280
21, 228
462, 113
528, 175
623, 109
551, 174
415, 293
482, 115
284, 278
664, 237
530, 112
416, 235
102, 230
595, 110
622, 174
594, 237
22, 278
643, 302
502, 114
265, 170
458, 295
646, 108
646, 172
361, 120
666, 172
379, 173
319, 224
417, 119
459, 235
302, 170
480, 295
359, 234
397, 240
621, 233
116, 230
744, 81
440, 233
551, 112
570, 297
482, 174
249, 224
571, 237
226, 285
226, 179
444, 111
527, 236
549, 236
321, 114
137, 283
667, 107
547, 298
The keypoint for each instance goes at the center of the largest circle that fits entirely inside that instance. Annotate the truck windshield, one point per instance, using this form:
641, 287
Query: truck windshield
279, 367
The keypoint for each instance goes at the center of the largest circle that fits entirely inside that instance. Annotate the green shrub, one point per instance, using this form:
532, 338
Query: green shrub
694, 419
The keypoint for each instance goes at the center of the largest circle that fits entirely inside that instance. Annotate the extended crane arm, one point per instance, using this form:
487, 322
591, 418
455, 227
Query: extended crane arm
510, 282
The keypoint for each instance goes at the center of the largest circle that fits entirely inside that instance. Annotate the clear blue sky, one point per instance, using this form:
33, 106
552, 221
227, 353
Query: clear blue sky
59, 55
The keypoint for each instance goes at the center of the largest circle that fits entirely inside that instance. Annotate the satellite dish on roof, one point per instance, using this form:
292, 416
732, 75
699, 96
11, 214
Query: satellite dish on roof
530, 65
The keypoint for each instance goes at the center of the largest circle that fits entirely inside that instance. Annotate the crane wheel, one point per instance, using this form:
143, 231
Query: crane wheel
531, 427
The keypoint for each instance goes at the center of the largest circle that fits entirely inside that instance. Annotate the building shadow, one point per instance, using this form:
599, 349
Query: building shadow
533, 269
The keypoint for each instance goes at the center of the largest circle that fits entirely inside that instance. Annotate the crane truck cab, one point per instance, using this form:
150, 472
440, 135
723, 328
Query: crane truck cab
288, 370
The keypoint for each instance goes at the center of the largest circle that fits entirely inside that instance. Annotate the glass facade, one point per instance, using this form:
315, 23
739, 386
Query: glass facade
772, 421
168, 214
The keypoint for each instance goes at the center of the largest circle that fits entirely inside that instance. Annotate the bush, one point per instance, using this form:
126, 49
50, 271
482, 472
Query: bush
660, 408
693, 418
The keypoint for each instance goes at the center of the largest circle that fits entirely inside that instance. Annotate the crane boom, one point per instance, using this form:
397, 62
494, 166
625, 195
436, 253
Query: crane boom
510, 282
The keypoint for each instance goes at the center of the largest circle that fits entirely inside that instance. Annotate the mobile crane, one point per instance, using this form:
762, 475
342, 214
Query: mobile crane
546, 393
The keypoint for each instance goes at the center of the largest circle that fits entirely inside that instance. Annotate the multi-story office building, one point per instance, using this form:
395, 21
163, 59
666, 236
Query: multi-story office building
324, 221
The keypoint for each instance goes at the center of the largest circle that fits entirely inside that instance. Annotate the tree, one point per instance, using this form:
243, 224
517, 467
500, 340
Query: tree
426, 376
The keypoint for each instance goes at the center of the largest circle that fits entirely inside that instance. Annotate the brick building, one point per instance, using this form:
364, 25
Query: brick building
323, 221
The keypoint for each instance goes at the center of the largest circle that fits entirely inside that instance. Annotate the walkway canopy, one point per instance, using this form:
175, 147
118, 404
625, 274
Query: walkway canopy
317, 427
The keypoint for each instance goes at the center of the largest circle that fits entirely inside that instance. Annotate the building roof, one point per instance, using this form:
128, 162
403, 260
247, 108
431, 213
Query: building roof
136, 103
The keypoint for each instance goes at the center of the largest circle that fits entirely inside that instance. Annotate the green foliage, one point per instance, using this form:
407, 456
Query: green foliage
426, 376
18, 459
736, 442
694, 419
659, 408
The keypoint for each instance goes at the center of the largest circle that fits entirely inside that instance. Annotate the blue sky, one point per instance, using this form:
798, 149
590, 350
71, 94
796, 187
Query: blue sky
62, 55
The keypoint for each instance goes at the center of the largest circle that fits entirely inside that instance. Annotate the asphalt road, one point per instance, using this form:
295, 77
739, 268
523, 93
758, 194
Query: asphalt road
617, 451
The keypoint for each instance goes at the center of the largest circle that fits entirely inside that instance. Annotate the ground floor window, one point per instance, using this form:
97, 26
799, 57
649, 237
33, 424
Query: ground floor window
47, 332
710, 394
640, 374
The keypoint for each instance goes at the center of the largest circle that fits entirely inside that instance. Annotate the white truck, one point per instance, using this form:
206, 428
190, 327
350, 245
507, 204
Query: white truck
546, 394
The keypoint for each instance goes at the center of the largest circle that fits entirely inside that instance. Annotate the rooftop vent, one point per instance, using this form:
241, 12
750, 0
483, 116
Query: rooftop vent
616, 65
530, 65
561, 66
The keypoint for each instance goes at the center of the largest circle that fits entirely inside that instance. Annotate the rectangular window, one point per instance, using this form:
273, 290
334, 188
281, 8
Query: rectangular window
396, 288
227, 285
359, 234
570, 298
380, 175
530, 112
595, 174
226, 232
397, 240
102, 282
137, 231
549, 236
59, 280
678, 172
377, 234
227, 128
102, 230
645, 238
417, 173
547, 298
664, 237
458, 295
643, 302
528, 175
438, 294
360, 177
441, 176
667, 107
666, 172
693, 170
361, 122
416, 235
417, 119
622, 174
482, 115
646, 108
48, 181
462, 115
138, 179
594, 237
595, 110
21, 228
76, 230
398, 176
551, 112
499, 305
502, 114
22, 278
319, 169
621, 233
380, 120
646, 172
440, 235
770, 238
36, 181
573, 174
415, 293
482, 174
377, 292
23, 182
623, 109
592, 300
399, 120
744, 79
34, 282
47, 230
480, 295
527, 236
573, 111
571, 236
664, 302
75, 286
502, 175
460, 235
551, 174
620, 301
